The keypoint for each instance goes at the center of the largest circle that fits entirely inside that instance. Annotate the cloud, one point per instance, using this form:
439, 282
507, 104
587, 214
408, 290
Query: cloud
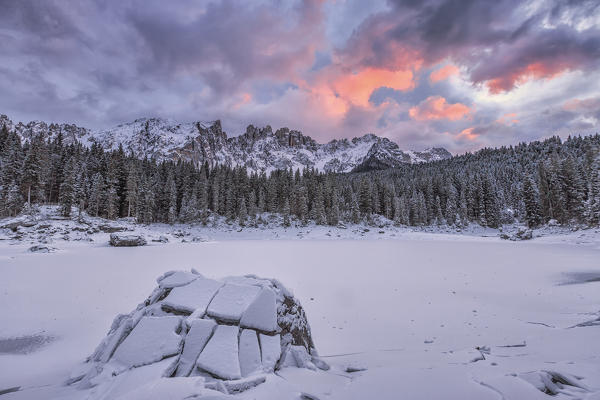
443, 73
501, 44
436, 107
424, 73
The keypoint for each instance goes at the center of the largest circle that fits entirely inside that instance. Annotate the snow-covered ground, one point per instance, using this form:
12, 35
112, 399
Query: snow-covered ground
429, 315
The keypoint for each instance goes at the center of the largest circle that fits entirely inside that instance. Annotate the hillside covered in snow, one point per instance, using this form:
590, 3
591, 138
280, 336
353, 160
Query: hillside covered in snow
258, 149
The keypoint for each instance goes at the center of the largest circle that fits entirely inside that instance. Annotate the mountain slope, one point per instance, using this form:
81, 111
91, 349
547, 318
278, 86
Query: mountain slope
258, 149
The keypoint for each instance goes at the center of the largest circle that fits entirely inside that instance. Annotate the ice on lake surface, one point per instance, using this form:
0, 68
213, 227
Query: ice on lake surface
497, 320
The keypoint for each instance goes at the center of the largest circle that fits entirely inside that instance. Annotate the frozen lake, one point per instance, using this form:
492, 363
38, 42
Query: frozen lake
412, 311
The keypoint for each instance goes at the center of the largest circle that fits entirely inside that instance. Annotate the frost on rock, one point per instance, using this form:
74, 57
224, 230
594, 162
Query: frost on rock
222, 330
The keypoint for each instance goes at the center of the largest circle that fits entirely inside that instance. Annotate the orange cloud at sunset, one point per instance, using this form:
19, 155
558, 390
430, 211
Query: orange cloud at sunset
535, 70
436, 107
468, 134
443, 73
509, 118
245, 99
357, 88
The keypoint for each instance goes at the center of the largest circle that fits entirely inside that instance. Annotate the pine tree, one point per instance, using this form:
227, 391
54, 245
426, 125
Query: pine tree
96, 193
14, 200
333, 214
132, 189
286, 212
318, 208
530, 198
243, 212
67, 188
364, 197
172, 200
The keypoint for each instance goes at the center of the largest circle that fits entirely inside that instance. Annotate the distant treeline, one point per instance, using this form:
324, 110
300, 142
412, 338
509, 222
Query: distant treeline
533, 183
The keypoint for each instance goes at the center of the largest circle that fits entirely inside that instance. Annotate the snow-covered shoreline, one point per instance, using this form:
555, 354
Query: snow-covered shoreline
49, 228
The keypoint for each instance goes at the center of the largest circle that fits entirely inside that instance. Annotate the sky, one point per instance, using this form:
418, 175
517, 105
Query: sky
460, 74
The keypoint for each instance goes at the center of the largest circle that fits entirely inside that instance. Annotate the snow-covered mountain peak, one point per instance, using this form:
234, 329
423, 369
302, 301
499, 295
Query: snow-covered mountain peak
257, 149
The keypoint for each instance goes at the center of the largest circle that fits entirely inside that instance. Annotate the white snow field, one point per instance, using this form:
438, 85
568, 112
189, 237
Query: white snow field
420, 316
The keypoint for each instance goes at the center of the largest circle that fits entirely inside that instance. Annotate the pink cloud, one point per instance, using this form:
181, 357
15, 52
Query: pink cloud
436, 107
443, 73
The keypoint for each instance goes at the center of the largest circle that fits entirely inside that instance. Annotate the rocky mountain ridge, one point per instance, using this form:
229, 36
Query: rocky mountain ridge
258, 149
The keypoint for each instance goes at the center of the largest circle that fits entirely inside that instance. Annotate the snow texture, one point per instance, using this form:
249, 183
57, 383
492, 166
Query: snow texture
231, 301
193, 297
220, 356
249, 352
153, 339
176, 278
261, 314
270, 351
200, 332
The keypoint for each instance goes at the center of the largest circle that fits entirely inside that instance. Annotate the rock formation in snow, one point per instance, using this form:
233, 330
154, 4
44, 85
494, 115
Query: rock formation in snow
258, 149
230, 329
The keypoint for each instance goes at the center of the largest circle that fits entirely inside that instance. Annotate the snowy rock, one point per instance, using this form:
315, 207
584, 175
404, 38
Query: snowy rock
111, 228
234, 328
41, 249
231, 301
249, 352
153, 339
261, 314
270, 351
192, 297
200, 332
119, 240
220, 356
176, 278
524, 234
161, 239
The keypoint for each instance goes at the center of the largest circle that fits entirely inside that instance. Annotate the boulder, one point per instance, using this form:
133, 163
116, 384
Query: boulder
161, 239
14, 226
111, 228
524, 234
119, 240
220, 329
41, 249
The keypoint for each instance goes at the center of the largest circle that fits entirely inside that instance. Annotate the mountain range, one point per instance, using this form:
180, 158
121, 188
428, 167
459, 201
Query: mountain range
258, 149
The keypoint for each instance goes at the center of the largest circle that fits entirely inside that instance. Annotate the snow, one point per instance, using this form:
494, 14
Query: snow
371, 299
231, 301
220, 356
249, 352
270, 351
175, 279
153, 339
261, 314
193, 297
200, 332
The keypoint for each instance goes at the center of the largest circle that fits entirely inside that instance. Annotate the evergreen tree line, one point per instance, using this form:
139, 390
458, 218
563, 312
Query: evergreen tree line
533, 183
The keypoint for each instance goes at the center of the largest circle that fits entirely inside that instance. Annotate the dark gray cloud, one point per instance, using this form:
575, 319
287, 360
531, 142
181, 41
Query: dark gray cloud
501, 42
102, 62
